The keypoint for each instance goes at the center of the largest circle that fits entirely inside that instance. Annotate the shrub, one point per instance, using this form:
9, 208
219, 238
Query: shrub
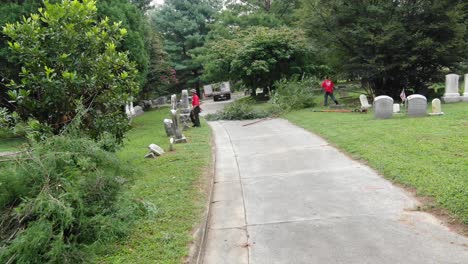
240, 110
61, 201
293, 94
68, 57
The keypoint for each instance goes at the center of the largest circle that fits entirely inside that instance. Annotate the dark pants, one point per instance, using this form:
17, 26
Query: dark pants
194, 116
331, 96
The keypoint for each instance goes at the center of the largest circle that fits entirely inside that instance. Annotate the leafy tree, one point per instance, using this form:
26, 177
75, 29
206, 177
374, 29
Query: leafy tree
11, 11
161, 76
184, 25
389, 45
138, 38
257, 56
143, 5
68, 58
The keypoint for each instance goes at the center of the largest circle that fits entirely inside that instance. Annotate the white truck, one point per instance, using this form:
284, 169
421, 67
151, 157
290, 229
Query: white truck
221, 91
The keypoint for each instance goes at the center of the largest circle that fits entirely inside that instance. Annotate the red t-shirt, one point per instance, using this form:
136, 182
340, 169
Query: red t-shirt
195, 100
328, 86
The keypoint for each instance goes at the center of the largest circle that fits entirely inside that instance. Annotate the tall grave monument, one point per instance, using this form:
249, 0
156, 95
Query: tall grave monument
465, 93
185, 111
452, 94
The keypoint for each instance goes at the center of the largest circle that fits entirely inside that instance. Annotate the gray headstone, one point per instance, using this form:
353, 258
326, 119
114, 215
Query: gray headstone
436, 107
177, 132
185, 107
465, 93
364, 103
157, 150
451, 94
138, 110
174, 102
168, 127
417, 105
383, 107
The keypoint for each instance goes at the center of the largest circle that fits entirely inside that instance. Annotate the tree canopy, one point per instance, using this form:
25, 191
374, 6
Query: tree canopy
388, 45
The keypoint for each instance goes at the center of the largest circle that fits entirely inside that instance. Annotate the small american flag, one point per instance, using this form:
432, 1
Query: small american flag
403, 95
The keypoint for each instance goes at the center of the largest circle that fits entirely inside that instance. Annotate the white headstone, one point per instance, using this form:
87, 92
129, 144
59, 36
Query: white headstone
383, 107
436, 107
465, 93
130, 110
417, 105
364, 103
396, 108
185, 102
157, 150
451, 94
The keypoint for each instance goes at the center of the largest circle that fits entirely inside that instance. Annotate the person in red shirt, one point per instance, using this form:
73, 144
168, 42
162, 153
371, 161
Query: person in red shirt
194, 114
327, 86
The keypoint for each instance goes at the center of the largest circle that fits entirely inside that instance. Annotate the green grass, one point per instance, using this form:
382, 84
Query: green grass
10, 143
429, 154
172, 183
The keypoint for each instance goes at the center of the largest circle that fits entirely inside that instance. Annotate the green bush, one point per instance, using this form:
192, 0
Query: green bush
293, 94
69, 57
240, 110
61, 202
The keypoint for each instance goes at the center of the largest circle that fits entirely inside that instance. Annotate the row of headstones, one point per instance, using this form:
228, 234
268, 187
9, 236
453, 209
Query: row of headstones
133, 111
180, 118
452, 90
417, 106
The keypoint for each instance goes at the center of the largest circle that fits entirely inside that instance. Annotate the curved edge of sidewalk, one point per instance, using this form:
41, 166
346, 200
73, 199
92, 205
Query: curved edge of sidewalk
197, 248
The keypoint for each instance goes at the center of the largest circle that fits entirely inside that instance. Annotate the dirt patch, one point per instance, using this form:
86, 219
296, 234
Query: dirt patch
429, 205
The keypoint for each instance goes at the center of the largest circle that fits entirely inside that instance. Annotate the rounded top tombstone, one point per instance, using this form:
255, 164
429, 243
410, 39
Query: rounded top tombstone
383, 107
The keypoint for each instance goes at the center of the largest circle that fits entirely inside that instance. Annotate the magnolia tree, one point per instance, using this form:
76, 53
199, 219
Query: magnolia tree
69, 58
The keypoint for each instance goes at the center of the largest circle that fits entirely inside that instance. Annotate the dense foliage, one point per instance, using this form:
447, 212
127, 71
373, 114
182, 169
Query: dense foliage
257, 56
61, 201
11, 11
292, 94
184, 26
67, 58
389, 45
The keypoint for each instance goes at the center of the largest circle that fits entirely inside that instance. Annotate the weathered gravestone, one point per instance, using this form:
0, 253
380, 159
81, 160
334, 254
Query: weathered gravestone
452, 94
436, 107
176, 131
364, 103
138, 110
383, 107
465, 93
154, 151
174, 102
185, 111
168, 127
160, 101
185, 108
417, 105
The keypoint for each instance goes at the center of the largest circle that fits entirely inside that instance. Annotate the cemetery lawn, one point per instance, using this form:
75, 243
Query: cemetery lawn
428, 154
172, 183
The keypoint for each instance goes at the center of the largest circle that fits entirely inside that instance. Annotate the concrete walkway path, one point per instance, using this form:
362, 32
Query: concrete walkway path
283, 195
